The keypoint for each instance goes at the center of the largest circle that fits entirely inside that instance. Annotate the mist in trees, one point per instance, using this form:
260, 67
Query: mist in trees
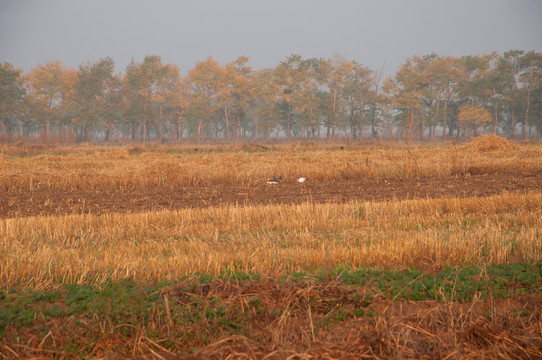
429, 97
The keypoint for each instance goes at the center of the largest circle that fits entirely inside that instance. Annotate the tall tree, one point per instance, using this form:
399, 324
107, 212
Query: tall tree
299, 80
174, 101
474, 116
405, 91
358, 99
444, 77
234, 92
11, 95
289, 76
266, 92
146, 86
96, 87
308, 99
206, 78
508, 69
531, 81
48, 87
339, 70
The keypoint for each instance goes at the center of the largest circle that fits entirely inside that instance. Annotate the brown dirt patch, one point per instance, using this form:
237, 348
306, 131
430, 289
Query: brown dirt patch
110, 200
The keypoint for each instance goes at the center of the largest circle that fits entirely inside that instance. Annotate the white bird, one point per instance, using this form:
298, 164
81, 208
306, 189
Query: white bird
274, 181
301, 179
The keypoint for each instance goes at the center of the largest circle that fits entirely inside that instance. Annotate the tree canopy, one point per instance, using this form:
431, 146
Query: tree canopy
429, 96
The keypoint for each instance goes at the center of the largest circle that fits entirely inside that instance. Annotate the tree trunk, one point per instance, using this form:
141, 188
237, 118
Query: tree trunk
496, 112
361, 115
160, 126
445, 123
227, 132
333, 115
116, 133
72, 132
145, 122
144, 128
526, 123
288, 124
3, 128
47, 129
239, 125
495, 122
410, 124
513, 131
436, 119
526, 129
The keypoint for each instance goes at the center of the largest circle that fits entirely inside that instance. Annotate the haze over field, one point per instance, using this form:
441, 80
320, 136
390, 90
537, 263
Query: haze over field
374, 33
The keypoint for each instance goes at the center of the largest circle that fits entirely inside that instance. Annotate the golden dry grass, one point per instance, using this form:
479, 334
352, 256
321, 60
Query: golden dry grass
272, 239
137, 167
43, 252
490, 143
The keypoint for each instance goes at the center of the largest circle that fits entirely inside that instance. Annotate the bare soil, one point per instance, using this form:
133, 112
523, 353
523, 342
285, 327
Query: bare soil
288, 191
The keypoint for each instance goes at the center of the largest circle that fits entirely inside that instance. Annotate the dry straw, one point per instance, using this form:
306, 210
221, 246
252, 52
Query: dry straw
270, 240
142, 167
490, 143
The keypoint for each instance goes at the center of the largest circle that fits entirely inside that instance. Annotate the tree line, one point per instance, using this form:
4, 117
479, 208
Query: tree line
428, 97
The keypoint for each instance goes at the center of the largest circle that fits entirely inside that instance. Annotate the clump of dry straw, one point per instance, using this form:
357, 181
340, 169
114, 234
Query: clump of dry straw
485, 143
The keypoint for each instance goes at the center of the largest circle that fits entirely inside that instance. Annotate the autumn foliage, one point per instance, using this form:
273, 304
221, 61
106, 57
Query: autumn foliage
429, 96
472, 116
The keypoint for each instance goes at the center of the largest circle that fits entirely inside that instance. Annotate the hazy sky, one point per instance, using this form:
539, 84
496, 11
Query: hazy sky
182, 32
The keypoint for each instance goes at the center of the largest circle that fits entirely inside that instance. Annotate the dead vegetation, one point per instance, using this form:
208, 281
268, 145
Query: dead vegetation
485, 143
273, 240
282, 320
300, 320
152, 166
408, 330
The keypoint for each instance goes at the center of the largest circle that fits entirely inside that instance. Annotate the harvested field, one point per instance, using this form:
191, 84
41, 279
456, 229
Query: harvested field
272, 240
99, 180
289, 191
386, 251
